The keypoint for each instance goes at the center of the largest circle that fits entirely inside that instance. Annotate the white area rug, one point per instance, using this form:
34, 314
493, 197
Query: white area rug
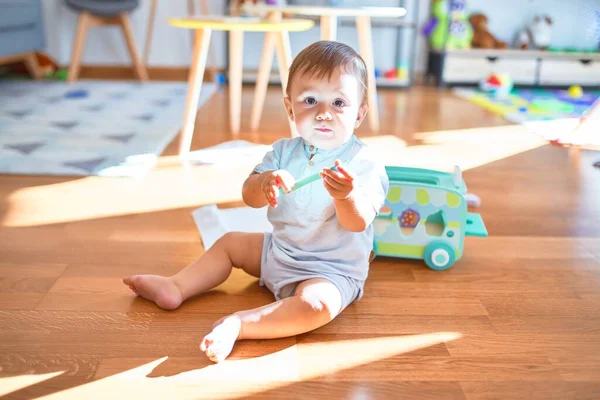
105, 128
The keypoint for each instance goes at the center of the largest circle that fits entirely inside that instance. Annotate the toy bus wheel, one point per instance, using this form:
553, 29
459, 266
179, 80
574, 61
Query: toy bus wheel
439, 256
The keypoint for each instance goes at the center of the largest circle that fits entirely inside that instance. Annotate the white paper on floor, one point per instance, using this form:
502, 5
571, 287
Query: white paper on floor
562, 129
212, 222
229, 153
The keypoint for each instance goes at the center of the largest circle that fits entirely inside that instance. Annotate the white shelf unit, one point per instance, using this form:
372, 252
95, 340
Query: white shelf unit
525, 67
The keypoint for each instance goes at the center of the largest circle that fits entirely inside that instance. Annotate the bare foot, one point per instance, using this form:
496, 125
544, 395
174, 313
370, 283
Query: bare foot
218, 344
158, 289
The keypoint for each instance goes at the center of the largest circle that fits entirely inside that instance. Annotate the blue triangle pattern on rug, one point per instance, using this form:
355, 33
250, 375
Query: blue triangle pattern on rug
65, 125
104, 128
24, 148
19, 113
121, 138
144, 117
95, 107
161, 103
87, 165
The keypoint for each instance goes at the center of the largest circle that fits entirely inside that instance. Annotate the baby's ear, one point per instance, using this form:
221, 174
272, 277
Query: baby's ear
362, 113
288, 107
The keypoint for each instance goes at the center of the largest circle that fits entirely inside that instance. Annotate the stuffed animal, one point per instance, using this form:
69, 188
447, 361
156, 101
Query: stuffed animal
537, 35
448, 27
482, 38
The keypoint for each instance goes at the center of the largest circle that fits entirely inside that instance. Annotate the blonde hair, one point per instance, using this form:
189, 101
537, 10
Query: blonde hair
322, 58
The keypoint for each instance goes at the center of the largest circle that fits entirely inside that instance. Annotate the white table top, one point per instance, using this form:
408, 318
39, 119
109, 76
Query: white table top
329, 11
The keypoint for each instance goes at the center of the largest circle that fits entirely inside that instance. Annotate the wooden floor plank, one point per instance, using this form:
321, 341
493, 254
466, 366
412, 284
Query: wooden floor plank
517, 390
23, 286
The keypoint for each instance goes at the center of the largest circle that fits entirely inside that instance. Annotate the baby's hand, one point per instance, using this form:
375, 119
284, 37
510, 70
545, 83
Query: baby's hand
275, 180
340, 183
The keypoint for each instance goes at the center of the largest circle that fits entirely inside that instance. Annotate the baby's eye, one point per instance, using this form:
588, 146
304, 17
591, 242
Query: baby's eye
339, 103
311, 101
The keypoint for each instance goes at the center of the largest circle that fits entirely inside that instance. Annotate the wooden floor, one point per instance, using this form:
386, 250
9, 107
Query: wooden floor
517, 318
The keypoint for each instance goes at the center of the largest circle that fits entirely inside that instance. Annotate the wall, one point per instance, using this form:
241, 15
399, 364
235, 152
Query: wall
575, 24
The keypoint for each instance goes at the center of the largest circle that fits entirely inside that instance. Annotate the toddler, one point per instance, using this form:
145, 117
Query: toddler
316, 260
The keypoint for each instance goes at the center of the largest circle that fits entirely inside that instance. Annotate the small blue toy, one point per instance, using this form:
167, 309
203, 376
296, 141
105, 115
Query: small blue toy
425, 217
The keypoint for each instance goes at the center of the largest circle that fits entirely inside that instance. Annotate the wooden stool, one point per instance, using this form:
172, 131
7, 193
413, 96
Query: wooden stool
236, 27
328, 17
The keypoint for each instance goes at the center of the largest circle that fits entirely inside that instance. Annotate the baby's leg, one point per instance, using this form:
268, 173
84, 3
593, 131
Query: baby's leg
315, 303
242, 250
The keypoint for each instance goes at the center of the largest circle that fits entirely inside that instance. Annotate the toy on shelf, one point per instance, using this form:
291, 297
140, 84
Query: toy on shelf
482, 38
425, 217
399, 73
449, 27
536, 35
402, 72
498, 85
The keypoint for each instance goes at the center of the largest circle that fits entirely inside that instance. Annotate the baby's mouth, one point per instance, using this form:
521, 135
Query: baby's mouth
322, 131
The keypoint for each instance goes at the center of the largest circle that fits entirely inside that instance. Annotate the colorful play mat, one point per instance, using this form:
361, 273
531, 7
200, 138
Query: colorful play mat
527, 105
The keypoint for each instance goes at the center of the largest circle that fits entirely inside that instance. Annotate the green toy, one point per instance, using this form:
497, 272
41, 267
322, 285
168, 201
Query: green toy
306, 181
425, 217
449, 27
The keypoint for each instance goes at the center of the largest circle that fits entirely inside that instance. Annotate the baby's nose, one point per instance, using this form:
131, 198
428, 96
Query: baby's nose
323, 114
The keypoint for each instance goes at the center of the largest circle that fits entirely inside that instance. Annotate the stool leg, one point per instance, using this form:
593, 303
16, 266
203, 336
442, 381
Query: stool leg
363, 26
82, 27
262, 80
236, 43
328, 27
140, 68
197, 67
284, 59
149, 31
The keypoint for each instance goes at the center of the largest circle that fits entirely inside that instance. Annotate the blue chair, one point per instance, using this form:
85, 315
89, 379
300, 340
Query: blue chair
99, 13
21, 33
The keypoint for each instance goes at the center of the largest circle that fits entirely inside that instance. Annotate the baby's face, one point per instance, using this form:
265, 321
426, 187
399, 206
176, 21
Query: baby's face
326, 112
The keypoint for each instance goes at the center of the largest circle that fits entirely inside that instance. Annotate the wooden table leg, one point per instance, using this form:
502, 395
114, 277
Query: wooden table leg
262, 79
328, 27
236, 45
264, 71
363, 26
197, 67
284, 60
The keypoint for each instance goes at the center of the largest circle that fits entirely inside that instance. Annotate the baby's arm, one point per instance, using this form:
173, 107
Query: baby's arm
252, 192
354, 213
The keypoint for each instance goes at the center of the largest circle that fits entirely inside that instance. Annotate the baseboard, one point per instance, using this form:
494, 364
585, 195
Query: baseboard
179, 73
155, 73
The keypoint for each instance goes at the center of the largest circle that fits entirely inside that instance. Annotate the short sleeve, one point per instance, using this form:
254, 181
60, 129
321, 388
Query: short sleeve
272, 160
372, 180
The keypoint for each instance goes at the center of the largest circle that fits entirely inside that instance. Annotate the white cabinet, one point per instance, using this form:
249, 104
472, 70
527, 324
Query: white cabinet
473, 68
570, 72
525, 67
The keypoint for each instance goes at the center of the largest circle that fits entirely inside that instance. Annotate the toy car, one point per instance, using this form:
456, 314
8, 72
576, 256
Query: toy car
425, 217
